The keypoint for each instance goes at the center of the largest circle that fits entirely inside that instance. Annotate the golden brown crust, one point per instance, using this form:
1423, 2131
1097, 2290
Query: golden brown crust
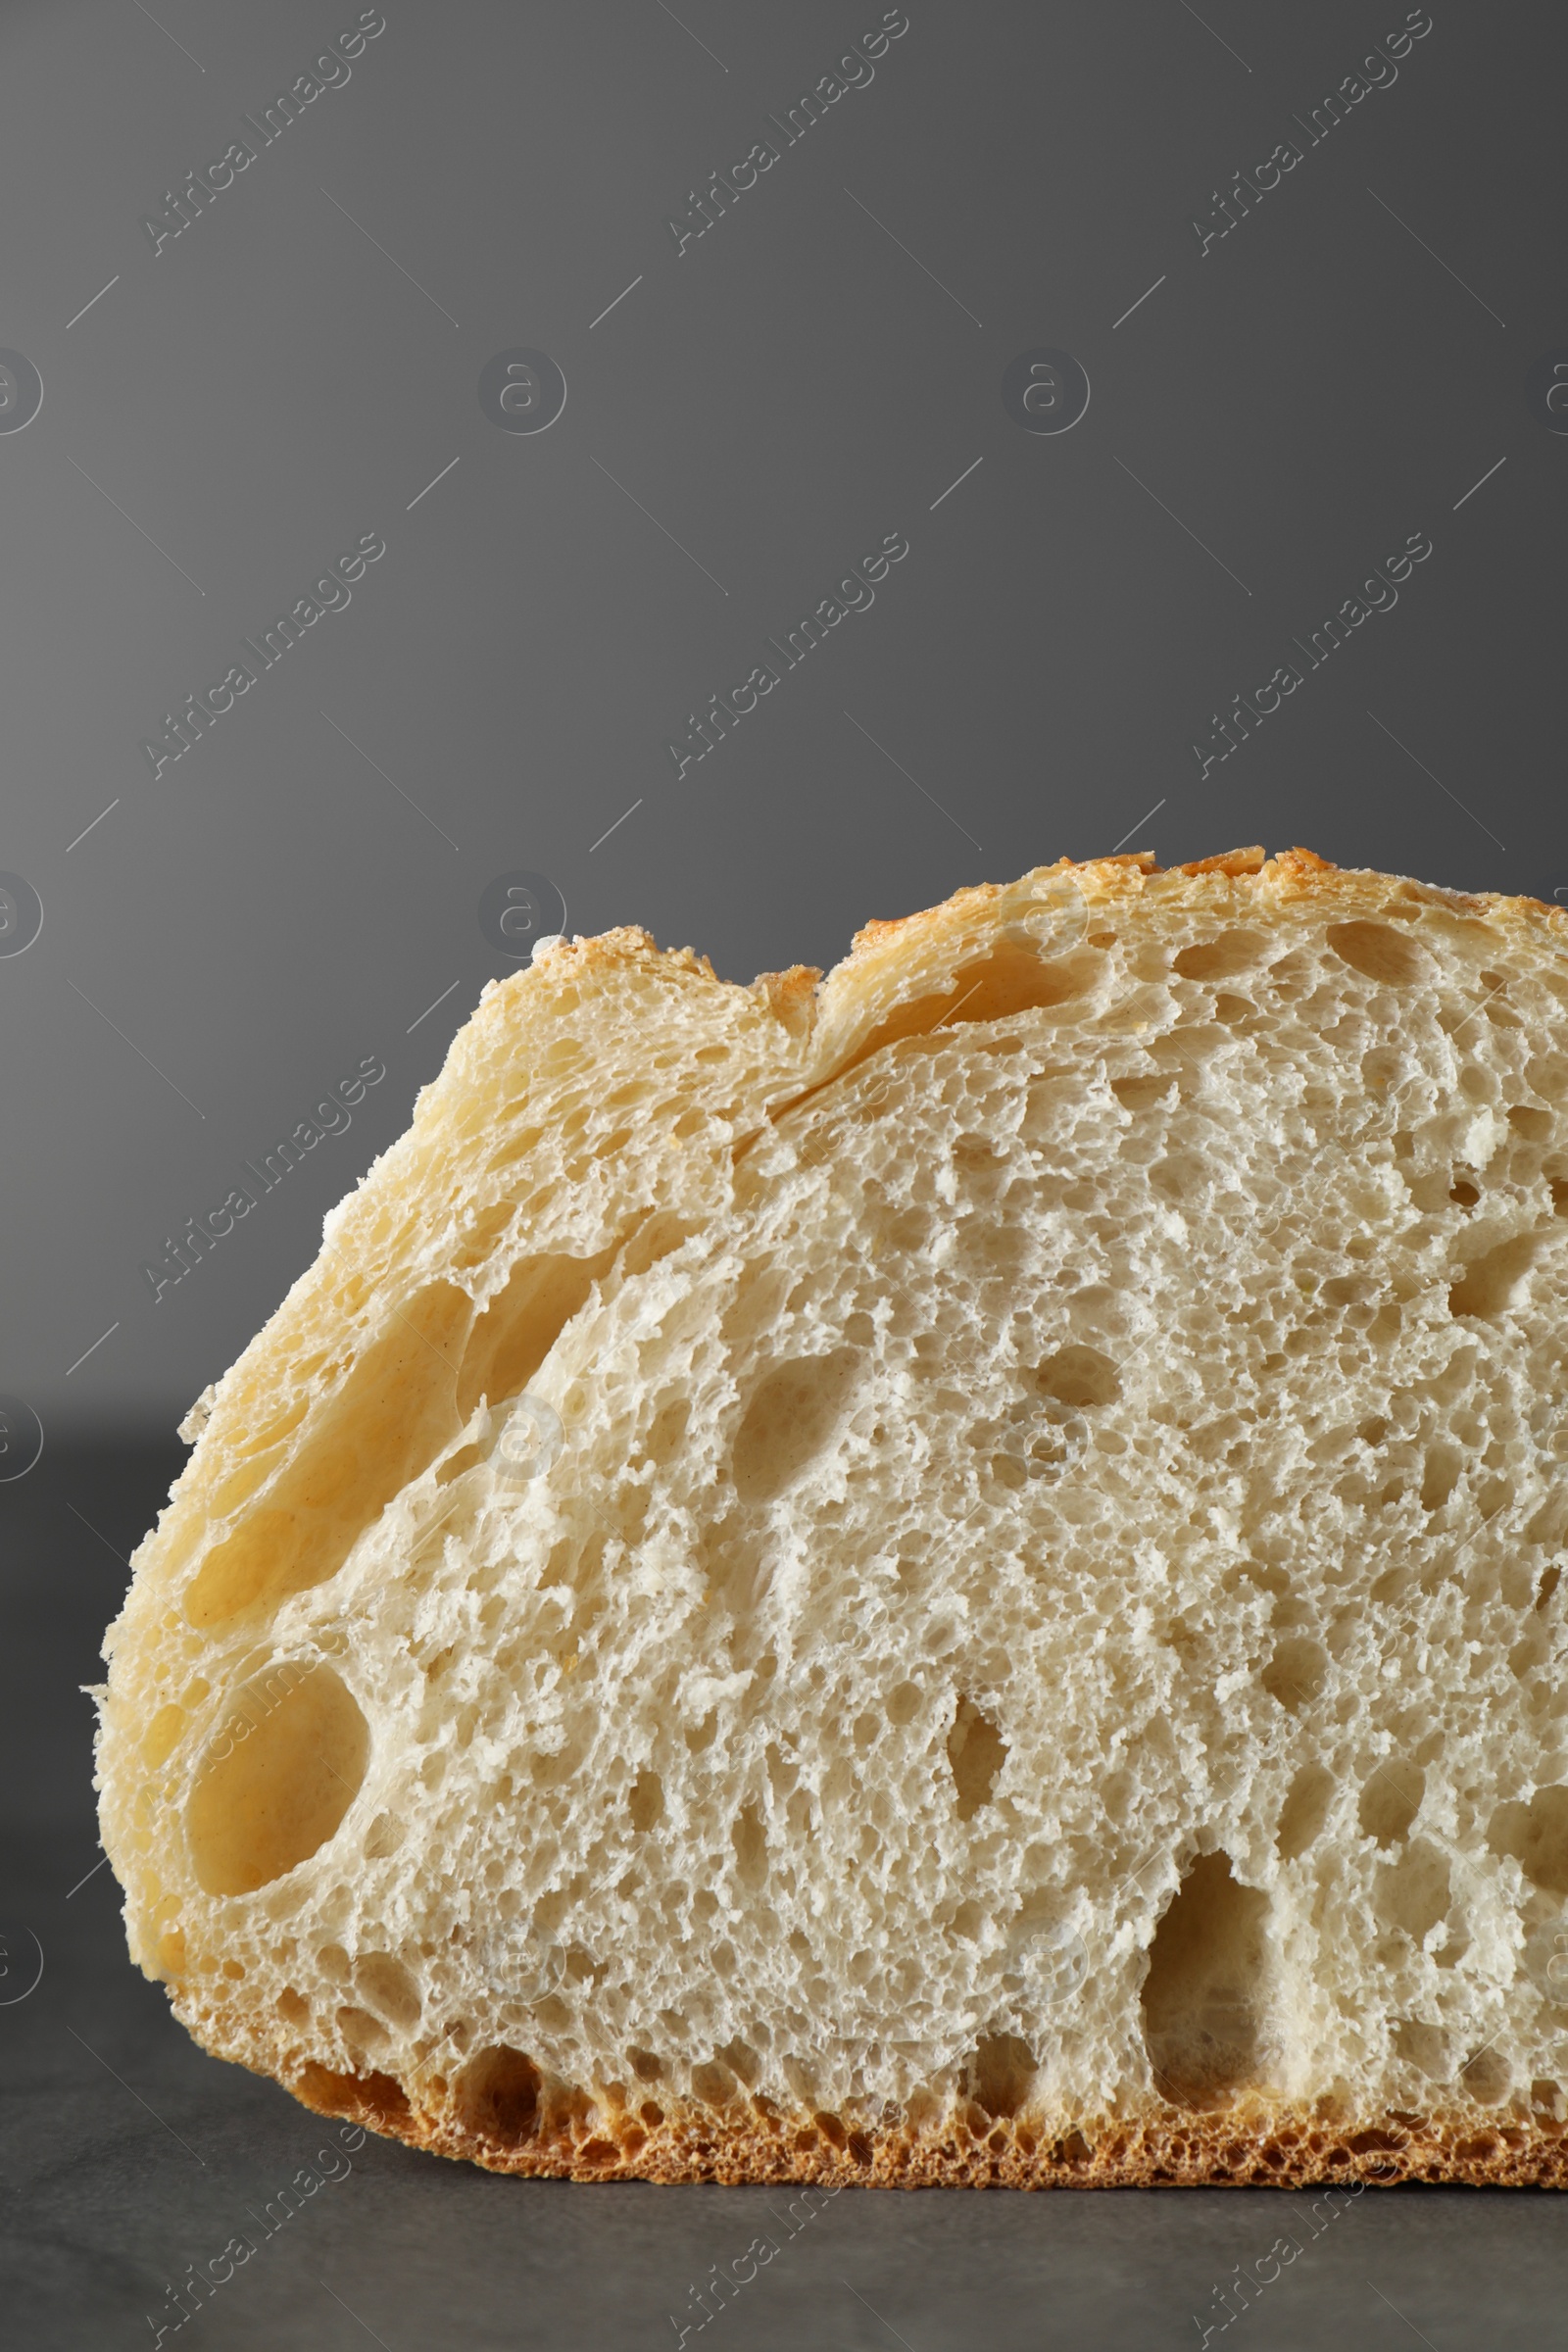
540, 2128
789, 996
1234, 863
571, 2136
1226, 880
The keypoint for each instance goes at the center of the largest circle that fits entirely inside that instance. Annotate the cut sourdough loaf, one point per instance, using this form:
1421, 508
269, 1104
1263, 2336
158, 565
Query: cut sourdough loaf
949, 1576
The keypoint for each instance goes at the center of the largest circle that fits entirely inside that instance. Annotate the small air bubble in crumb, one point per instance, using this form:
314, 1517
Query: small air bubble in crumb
529, 1443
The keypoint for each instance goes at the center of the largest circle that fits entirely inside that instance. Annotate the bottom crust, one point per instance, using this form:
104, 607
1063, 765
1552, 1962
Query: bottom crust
513, 2123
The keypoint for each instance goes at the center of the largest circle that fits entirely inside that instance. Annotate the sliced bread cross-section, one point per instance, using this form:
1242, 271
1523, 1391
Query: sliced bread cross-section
948, 1575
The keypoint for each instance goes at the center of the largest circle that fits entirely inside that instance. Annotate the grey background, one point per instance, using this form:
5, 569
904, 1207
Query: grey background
1281, 411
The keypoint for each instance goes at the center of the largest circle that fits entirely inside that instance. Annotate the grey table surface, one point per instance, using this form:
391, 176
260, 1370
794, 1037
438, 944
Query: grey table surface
1152, 330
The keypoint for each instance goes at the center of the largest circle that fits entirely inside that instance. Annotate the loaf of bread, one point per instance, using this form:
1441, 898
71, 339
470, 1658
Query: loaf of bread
947, 1575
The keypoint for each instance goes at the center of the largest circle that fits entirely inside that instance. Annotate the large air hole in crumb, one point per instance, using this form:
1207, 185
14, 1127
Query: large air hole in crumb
1491, 1284
1079, 1376
664, 1440
998, 2075
714, 2084
1013, 979
386, 1984
1536, 1836
1220, 958
1421, 2046
269, 1798
384, 1836
1441, 1474
512, 1149
1295, 1672
364, 2036
393, 1414
458, 1464
1010, 980
498, 2096
976, 1753
1304, 1811
1390, 1800
742, 2060
241, 1484
511, 1339
376, 2099
646, 1801
1487, 2077
1142, 1090
162, 1734
1379, 953
1535, 1126
1203, 1996
791, 1419
749, 1840
1413, 1893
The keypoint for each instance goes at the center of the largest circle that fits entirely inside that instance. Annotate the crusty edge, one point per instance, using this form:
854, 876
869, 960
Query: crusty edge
756, 2140
892, 962
645, 2132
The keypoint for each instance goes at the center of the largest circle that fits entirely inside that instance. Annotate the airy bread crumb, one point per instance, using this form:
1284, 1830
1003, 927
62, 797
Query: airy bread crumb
947, 1575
